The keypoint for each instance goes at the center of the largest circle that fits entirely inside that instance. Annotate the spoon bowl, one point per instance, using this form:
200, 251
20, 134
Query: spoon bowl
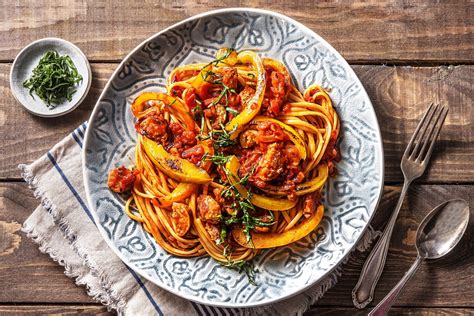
439, 232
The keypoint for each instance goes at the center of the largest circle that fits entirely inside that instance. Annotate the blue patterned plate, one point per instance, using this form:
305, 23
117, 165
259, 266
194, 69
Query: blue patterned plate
350, 198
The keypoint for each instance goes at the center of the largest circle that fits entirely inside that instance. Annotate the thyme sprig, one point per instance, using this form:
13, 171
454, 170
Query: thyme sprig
219, 59
218, 159
243, 207
242, 266
221, 138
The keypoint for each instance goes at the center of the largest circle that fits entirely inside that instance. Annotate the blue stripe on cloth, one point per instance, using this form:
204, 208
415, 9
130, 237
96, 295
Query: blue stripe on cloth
86, 209
80, 132
213, 310
224, 311
78, 141
69, 185
196, 308
204, 309
147, 293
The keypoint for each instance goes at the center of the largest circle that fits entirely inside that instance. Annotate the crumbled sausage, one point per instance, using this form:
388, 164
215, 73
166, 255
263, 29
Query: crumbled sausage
180, 218
213, 231
209, 209
248, 138
121, 179
154, 127
272, 163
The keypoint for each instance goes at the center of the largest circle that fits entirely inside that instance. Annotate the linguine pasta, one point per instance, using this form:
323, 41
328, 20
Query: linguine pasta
231, 159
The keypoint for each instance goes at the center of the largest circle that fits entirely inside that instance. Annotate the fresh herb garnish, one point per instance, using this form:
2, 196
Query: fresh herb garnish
199, 114
221, 138
54, 79
216, 159
243, 208
223, 94
223, 57
232, 111
242, 266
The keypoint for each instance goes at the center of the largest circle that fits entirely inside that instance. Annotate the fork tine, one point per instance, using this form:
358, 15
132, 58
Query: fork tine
417, 130
435, 130
424, 129
429, 129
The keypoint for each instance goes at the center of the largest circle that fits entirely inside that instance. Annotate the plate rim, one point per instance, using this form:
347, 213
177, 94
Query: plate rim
69, 107
197, 299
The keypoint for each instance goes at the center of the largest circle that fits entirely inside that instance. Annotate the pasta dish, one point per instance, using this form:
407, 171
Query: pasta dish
230, 160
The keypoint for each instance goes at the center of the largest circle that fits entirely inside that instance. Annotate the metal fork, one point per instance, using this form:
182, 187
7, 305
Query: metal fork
414, 162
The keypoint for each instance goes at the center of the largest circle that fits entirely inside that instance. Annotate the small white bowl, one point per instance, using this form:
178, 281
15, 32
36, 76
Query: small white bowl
27, 60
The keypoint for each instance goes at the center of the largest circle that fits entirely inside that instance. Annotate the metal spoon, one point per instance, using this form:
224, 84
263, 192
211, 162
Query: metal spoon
436, 236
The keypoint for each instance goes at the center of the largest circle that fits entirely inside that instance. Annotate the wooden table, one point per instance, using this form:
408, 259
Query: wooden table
407, 54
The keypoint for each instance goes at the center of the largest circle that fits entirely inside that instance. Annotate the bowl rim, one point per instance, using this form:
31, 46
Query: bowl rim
69, 106
380, 153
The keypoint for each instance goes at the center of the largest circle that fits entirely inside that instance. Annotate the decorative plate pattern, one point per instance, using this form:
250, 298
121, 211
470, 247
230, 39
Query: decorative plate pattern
350, 198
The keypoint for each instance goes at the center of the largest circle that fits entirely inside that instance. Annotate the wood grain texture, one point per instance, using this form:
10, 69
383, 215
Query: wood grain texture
375, 31
26, 270
445, 283
24, 310
400, 96
26, 137
406, 311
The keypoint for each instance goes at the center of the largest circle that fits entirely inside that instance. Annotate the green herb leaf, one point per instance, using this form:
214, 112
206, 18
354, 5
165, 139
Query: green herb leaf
232, 111
53, 79
242, 266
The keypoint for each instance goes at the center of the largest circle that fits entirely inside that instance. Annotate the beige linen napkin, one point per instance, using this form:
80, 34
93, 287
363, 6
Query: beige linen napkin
62, 226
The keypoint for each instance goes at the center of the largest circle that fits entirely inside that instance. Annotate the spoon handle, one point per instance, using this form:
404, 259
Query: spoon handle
387, 302
363, 292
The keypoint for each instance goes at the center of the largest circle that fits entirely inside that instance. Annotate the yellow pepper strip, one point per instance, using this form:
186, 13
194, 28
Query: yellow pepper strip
176, 106
252, 106
177, 168
289, 131
200, 78
272, 240
224, 55
265, 202
315, 183
227, 55
209, 152
182, 191
279, 67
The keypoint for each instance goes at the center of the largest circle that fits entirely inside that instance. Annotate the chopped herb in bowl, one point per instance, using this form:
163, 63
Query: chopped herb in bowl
54, 79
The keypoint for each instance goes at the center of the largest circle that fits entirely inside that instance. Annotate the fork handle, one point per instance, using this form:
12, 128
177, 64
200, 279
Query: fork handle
363, 292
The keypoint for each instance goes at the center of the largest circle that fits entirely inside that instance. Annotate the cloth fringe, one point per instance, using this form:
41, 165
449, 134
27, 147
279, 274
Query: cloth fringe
107, 296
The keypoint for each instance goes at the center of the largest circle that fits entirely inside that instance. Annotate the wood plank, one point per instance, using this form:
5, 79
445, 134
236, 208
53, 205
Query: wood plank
446, 283
26, 137
28, 274
400, 96
400, 31
399, 311
23, 310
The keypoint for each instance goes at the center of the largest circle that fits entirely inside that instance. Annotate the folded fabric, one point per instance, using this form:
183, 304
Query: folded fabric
63, 228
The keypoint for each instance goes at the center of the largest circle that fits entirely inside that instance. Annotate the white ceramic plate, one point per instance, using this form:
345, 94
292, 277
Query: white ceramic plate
350, 198
27, 60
